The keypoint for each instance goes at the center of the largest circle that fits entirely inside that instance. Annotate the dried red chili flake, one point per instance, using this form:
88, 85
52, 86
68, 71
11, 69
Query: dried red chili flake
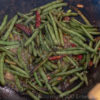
67, 19
79, 57
56, 57
80, 5
26, 29
59, 78
98, 48
73, 45
90, 63
48, 77
38, 19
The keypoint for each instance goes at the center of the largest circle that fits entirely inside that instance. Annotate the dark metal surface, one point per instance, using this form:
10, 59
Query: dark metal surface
91, 11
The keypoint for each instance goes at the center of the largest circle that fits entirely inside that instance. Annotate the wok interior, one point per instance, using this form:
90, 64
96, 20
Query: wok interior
12, 6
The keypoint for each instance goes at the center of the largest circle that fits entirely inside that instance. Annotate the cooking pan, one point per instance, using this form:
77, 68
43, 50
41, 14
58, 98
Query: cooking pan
91, 11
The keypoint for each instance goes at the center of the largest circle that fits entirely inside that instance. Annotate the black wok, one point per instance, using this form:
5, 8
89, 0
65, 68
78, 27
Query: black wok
91, 10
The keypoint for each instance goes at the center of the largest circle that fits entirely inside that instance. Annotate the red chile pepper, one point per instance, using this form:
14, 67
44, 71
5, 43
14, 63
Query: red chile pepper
27, 30
79, 57
73, 45
67, 19
38, 19
56, 57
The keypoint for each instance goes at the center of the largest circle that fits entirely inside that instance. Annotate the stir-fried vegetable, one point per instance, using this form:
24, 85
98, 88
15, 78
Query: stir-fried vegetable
41, 50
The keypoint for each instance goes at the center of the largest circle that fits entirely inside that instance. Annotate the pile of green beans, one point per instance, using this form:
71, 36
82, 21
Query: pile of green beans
57, 51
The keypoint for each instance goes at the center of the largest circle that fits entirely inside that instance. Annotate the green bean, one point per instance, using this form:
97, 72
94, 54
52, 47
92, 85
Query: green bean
9, 42
32, 95
46, 46
20, 21
37, 88
11, 47
45, 79
5, 28
7, 51
75, 52
21, 60
85, 79
51, 33
43, 62
72, 90
59, 65
65, 60
65, 24
2, 81
91, 44
48, 41
69, 31
95, 33
16, 73
10, 28
84, 45
73, 79
15, 60
49, 37
54, 26
3, 22
54, 6
87, 61
15, 32
53, 80
48, 67
41, 38
48, 5
97, 60
30, 19
80, 76
33, 49
57, 82
69, 11
22, 15
70, 14
84, 59
30, 49
86, 32
52, 65
75, 64
79, 23
97, 46
33, 36
72, 61
69, 72
57, 90
75, 48
82, 16
37, 79
32, 27
17, 81
28, 14
19, 70
65, 68
9, 61
61, 37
